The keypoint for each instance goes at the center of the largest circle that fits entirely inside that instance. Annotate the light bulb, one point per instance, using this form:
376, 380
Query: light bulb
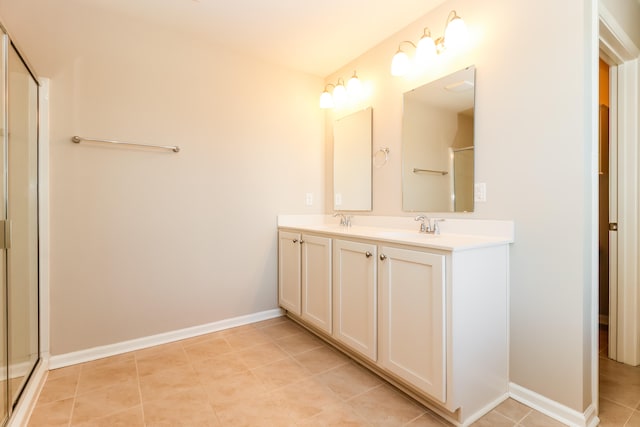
426, 51
340, 95
326, 100
455, 35
354, 87
400, 64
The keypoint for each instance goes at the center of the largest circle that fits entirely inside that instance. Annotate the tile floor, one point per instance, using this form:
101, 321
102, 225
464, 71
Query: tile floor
271, 373
619, 390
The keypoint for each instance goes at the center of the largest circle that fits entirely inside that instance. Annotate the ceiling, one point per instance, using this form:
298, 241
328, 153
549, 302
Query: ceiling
317, 37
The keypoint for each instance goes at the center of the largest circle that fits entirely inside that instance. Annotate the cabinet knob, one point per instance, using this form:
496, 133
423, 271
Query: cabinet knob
295, 240
368, 254
301, 241
383, 257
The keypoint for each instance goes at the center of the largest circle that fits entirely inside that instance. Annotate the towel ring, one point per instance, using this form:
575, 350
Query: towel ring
381, 157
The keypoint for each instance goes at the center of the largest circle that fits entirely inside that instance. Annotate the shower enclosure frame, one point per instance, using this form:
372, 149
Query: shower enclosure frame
19, 403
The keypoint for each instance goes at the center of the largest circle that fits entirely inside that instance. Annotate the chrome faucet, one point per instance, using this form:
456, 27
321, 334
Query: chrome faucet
345, 220
436, 227
426, 227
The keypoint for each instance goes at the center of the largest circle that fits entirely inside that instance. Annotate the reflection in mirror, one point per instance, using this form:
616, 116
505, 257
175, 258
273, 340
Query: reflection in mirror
438, 145
352, 162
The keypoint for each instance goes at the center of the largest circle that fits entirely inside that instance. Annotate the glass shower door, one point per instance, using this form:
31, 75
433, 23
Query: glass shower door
4, 383
22, 213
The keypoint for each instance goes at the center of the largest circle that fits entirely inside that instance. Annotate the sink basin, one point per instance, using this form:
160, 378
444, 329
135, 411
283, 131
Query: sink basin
405, 235
328, 227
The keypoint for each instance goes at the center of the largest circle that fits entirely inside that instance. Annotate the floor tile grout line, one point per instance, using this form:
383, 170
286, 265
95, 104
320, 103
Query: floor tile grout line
529, 411
144, 420
75, 394
308, 370
633, 409
413, 419
299, 353
628, 419
355, 396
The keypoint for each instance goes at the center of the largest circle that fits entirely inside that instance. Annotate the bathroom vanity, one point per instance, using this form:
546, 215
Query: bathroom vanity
429, 313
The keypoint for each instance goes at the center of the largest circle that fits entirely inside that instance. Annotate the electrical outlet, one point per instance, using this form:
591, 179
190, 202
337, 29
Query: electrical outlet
338, 199
309, 199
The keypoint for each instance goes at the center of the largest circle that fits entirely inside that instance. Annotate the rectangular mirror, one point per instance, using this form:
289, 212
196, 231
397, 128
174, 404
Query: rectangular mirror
438, 145
352, 162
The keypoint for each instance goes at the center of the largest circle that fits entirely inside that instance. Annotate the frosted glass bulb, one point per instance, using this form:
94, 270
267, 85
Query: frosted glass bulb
326, 100
426, 51
455, 35
340, 95
354, 87
400, 64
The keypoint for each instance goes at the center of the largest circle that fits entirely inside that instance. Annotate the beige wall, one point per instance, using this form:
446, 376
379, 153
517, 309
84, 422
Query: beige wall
147, 242
533, 152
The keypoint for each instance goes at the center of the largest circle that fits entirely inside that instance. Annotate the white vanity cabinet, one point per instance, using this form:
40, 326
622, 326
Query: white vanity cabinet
355, 296
304, 277
412, 323
427, 313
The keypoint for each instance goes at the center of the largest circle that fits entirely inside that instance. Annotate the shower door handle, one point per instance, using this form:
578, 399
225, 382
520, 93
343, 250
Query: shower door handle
5, 234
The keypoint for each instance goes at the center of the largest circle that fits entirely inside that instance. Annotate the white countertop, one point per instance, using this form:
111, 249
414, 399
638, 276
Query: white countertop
456, 234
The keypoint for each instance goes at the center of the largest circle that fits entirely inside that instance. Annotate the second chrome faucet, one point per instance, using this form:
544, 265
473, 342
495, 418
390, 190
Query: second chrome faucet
345, 220
425, 224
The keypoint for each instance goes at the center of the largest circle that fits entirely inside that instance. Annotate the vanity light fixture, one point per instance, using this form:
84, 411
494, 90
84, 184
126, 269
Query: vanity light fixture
326, 100
341, 95
455, 37
400, 63
354, 86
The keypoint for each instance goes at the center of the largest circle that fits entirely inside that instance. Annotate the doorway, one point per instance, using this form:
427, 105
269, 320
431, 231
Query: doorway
621, 221
607, 210
603, 192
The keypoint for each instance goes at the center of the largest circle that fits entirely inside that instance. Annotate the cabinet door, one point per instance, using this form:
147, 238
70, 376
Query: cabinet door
289, 271
355, 296
316, 281
412, 318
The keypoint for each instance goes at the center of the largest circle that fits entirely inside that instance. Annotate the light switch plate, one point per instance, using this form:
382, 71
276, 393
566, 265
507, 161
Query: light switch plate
480, 192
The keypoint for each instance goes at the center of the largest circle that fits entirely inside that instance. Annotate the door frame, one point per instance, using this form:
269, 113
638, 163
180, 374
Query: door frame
621, 53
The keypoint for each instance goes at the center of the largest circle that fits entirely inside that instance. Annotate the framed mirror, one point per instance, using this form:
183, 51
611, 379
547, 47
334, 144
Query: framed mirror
438, 145
352, 162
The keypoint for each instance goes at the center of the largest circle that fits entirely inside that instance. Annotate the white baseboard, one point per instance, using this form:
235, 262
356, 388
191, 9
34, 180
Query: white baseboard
555, 410
29, 398
62, 360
